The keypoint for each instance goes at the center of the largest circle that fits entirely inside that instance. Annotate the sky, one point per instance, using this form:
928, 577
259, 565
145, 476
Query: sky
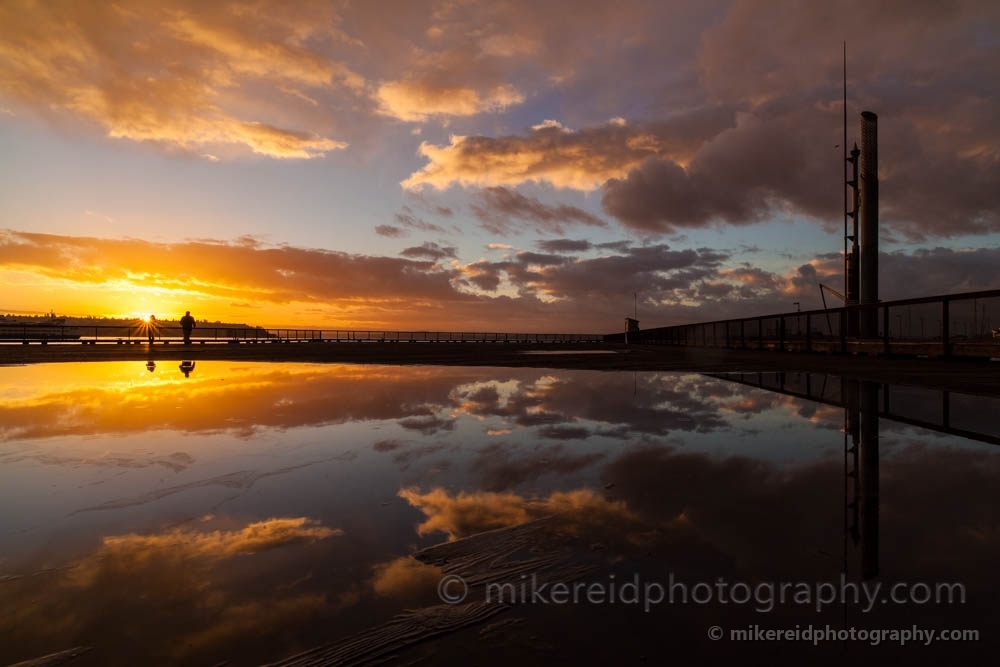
536, 166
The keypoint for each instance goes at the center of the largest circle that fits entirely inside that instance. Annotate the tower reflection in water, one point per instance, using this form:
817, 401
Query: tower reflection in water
861, 414
865, 403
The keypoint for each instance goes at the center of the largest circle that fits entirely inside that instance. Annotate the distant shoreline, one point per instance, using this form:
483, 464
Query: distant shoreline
976, 377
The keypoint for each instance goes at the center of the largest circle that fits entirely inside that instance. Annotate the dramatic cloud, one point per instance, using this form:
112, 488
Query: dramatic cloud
465, 514
405, 577
581, 160
390, 232
175, 74
564, 245
407, 218
155, 576
429, 286
417, 101
497, 208
712, 125
759, 169
938, 271
758, 136
654, 269
431, 251
187, 545
239, 271
427, 424
504, 467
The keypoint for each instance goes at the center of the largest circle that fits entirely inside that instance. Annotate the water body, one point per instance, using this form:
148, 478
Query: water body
249, 512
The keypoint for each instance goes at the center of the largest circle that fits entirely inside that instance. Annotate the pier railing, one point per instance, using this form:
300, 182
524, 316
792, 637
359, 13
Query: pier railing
166, 334
953, 325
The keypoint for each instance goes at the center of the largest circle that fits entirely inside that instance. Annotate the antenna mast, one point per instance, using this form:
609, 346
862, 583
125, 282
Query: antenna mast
847, 288
851, 210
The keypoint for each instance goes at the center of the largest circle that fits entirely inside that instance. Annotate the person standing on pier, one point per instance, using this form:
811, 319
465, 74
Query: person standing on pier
151, 328
187, 324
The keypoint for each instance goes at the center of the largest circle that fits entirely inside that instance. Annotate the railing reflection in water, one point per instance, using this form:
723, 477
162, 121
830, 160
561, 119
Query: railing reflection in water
139, 333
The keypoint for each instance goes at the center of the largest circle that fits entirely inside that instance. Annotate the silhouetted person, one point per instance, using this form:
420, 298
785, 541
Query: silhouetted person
152, 328
187, 324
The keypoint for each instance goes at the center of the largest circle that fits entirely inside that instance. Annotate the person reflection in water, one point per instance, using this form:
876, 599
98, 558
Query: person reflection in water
151, 328
187, 324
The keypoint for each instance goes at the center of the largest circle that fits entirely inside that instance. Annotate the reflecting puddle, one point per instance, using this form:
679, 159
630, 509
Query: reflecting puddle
248, 512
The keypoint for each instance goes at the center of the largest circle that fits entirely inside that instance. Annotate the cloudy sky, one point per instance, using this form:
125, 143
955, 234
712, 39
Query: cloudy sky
498, 165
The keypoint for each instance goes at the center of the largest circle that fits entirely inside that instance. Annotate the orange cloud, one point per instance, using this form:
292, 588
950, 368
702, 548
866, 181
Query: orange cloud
414, 101
181, 579
173, 73
557, 291
465, 514
405, 577
276, 285
553, 154
221, 273
135, 552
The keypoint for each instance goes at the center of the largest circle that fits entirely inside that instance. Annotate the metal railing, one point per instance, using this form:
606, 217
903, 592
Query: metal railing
138, 334
951, 325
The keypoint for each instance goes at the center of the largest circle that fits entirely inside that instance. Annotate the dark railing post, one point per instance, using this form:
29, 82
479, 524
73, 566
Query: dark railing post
885, 330
844, 316
945, 327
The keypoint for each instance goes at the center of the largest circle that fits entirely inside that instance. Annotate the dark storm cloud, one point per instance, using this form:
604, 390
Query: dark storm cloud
497, 209
503, 466
427, 424
759, 135
564, 245
407, 218
763, 167
655, 268
431, 251
391, 232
